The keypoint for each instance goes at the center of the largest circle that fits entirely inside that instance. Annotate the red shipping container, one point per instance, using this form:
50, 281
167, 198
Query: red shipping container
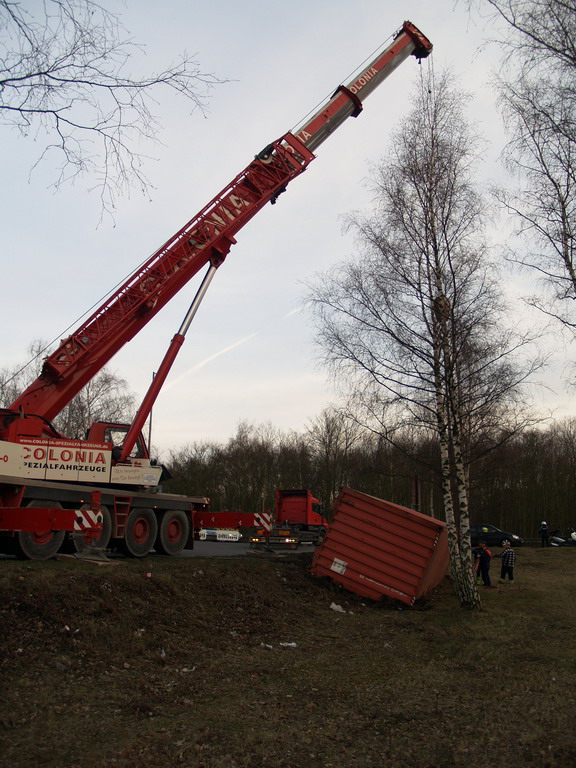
379, 549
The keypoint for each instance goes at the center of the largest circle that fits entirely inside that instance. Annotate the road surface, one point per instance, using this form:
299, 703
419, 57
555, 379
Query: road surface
216, 549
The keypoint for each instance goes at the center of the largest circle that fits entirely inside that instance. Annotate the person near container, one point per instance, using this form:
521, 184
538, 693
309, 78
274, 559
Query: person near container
508, 562
482, 557
544, 533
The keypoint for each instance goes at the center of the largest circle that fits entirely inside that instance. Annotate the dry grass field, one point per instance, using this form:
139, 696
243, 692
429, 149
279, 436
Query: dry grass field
241, 663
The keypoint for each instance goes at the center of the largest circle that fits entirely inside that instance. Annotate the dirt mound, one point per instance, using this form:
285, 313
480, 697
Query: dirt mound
244, 663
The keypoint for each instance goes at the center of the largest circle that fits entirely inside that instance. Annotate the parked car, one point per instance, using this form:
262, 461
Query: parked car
492, 536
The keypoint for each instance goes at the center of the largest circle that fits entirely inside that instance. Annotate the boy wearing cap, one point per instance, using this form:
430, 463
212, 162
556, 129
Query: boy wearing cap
508, 561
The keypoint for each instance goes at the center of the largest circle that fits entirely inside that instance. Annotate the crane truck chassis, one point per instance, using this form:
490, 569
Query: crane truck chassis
59, 492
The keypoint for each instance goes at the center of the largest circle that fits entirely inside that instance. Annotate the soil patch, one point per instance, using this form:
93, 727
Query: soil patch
242, 663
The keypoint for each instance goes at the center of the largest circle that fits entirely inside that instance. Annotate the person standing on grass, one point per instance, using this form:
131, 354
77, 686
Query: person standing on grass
482, 557
544, 533
508, 561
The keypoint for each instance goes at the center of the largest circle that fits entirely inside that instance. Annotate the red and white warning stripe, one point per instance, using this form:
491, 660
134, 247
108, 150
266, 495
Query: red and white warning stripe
263, 520
87, 519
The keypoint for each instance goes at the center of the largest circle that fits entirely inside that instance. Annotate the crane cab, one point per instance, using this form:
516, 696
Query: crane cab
109, 432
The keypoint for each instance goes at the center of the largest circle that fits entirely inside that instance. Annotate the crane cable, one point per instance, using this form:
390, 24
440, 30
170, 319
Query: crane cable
428, 82
72, 325
347, 79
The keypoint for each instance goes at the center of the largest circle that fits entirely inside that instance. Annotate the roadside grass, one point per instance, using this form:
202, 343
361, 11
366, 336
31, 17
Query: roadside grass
241, 663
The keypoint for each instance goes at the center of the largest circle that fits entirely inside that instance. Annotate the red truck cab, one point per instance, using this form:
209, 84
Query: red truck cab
299, 508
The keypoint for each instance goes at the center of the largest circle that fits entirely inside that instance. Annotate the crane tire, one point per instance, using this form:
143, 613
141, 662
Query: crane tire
39, 545
172, 532
140, 532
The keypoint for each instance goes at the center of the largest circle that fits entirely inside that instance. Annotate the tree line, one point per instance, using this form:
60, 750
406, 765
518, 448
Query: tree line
521, 482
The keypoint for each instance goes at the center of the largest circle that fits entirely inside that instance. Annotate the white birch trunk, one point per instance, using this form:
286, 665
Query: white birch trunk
453, 542
468, 590
458, 539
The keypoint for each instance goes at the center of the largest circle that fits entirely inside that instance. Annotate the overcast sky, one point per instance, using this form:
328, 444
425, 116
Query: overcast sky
249, 354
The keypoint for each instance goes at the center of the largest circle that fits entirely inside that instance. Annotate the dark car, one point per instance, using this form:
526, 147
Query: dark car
492, 536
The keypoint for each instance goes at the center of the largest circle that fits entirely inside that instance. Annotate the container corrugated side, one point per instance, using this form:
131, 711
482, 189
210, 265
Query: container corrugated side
376, 548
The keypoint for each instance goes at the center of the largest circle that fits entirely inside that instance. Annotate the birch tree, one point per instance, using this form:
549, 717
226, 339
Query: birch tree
537, 88
415, 323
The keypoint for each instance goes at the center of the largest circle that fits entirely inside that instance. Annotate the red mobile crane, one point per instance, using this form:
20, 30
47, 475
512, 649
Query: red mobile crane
103, 488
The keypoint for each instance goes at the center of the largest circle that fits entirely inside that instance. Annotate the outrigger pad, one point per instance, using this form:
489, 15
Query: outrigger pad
97, 554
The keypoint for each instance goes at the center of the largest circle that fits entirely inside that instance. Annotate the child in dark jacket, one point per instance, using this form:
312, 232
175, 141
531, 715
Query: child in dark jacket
482, 557
508, 562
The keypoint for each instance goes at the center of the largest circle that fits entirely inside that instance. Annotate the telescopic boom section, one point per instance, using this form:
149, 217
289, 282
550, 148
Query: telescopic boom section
347, 99
205, 239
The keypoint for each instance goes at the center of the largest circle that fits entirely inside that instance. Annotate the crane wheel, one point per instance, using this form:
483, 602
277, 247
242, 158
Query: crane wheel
172, 532
40, 545
140, 533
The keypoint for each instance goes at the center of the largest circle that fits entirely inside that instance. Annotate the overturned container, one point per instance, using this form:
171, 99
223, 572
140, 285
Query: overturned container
379, 549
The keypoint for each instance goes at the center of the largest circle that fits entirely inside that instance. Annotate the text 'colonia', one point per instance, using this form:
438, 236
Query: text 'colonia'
64, 455
363, 79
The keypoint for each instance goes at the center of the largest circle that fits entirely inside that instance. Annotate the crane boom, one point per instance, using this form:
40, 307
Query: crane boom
205, 240
347, 99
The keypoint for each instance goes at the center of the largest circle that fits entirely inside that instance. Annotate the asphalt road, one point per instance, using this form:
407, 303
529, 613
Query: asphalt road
216, 549
229, 549
202, 549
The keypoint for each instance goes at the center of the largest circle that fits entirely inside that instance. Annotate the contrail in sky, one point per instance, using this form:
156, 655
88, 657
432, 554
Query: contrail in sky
230, 347
206, 360
293, 312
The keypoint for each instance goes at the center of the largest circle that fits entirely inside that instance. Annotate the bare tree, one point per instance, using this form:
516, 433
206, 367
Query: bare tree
416, 322
537, 87
332, 437
536, 32
542, 155
196, 470
64, 76
106, 397
249, 466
